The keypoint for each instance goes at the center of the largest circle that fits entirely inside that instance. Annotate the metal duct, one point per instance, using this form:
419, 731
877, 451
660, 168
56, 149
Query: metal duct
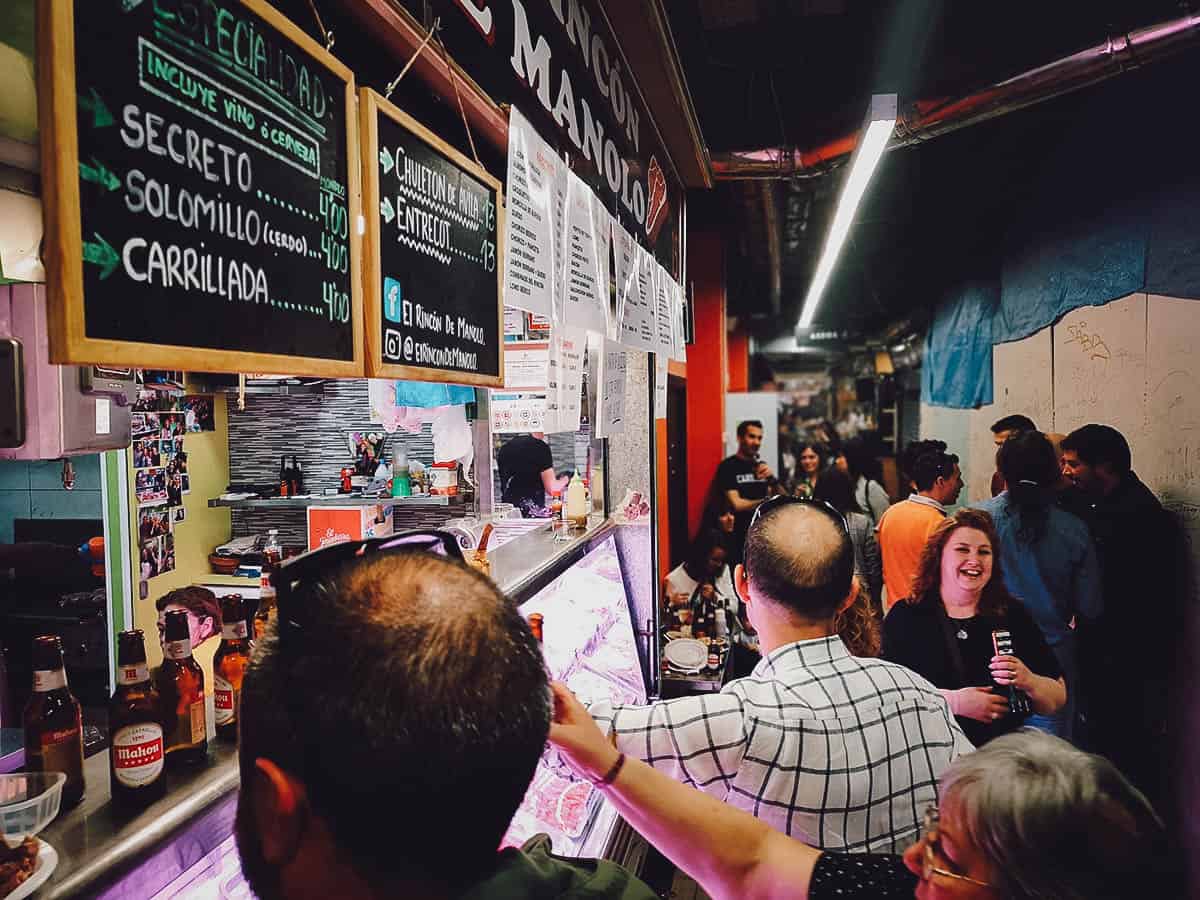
774, 245
927, 119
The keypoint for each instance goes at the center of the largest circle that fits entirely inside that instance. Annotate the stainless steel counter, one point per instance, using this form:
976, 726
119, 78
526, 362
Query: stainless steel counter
96, 844
525, 565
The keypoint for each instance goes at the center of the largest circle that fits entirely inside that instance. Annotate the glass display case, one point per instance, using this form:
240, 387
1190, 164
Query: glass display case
589, 644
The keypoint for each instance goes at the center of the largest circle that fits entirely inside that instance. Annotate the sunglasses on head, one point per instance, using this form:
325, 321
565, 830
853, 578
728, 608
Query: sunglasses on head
784, 500
302, 572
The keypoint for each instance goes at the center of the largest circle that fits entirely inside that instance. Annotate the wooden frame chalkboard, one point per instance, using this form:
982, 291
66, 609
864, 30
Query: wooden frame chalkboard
371, 107
303, 334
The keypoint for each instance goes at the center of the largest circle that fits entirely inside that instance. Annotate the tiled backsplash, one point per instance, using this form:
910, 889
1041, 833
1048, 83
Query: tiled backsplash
33, 490
315, 429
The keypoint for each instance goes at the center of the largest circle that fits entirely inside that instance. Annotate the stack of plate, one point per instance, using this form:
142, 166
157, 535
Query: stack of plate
686, 656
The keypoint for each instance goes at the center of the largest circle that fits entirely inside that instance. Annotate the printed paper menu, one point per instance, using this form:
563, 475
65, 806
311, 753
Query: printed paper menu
536, 194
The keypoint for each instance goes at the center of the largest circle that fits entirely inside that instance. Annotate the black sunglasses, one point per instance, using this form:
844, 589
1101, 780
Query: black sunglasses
783, 500
301, 572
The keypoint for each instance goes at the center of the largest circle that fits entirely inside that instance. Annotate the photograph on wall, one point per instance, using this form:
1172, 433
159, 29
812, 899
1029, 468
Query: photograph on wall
168, 554
146, 453
162, 378
174, 489
178, 514
172, 425
143, 425
169, 448
150, 485
153, 522
186, 481
157, 556
198, 413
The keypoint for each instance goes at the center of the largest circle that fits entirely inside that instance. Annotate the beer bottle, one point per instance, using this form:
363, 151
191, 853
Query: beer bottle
53, 721
181, 689
229, 665
272, 557
135, 723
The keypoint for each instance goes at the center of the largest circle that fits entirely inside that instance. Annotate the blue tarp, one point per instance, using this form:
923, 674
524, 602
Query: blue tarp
957, 370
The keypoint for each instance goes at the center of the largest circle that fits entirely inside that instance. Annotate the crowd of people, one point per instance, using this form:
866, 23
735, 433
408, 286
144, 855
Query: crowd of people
836, 768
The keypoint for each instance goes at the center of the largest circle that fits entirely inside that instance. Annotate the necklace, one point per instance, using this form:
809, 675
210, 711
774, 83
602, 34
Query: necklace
961, 634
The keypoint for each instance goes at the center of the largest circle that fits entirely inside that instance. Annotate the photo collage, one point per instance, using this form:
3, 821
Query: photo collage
162, 418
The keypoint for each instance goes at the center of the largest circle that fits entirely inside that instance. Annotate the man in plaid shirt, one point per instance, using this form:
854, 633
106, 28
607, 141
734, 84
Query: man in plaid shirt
841, 752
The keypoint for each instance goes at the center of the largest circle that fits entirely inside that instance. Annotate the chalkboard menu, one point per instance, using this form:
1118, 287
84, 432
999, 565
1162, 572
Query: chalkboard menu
433, 304
202, 171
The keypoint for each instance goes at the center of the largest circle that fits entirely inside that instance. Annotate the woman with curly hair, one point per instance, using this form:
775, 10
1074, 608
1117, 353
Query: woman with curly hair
944, 632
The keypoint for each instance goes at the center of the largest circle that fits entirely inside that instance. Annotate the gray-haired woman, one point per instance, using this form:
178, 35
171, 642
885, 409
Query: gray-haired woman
1028, 817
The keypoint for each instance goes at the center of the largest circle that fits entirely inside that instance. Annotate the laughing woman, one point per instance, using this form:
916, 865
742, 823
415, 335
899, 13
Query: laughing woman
944, 632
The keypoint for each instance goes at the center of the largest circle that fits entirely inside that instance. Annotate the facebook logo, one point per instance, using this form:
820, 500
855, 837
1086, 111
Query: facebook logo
392, 308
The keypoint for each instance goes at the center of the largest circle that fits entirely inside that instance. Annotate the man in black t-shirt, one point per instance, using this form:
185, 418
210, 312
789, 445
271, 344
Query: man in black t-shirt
527, 473
746, 481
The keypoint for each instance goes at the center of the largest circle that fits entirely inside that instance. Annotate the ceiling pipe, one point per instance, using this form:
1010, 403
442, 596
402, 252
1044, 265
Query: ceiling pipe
928, 119
774, 245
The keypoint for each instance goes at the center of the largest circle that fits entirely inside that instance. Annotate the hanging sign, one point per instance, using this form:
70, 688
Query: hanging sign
635, 282
433, 306
200, 172
537, 183
663, 295
517, 413
564, 392
660, 385
610, 415
585, 240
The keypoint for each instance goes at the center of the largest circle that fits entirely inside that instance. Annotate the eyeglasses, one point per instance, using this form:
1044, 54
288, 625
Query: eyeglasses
783, 500
933, 845
303, 571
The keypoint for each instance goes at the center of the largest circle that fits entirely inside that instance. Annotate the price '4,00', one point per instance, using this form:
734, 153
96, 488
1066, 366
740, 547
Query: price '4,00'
337, 254
338, 302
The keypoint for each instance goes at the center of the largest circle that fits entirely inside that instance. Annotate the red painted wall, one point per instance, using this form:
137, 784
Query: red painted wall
708, 364
739, 360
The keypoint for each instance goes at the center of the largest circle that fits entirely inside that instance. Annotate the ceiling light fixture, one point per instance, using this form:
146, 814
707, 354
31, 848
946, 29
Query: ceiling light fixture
881, 121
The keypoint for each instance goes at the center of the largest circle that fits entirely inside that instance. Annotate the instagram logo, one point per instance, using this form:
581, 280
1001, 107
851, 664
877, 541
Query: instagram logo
391, 343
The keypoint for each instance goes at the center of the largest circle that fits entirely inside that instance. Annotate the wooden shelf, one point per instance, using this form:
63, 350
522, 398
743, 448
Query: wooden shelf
336, 500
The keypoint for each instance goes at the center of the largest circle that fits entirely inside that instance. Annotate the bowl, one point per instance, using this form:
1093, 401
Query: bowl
29, 802
223, 565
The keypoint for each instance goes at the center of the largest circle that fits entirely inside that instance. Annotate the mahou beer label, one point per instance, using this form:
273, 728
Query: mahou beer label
223, 700
138, 754
233, 631
177, 649
134, 674
49, 680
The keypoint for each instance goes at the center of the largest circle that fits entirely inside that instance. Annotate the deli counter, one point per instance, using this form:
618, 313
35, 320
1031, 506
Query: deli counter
596, 595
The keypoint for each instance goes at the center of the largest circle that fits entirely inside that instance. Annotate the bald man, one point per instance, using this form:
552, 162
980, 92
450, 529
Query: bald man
843, 753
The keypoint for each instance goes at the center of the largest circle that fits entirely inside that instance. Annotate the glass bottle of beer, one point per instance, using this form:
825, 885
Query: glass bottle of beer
181, 689
135, 722
272, 557
229, 665
53, 721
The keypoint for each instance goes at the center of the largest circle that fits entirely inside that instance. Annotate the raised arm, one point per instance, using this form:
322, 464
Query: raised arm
729, 852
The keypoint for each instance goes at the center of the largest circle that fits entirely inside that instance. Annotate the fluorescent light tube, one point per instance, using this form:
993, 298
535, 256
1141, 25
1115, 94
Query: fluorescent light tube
881, 121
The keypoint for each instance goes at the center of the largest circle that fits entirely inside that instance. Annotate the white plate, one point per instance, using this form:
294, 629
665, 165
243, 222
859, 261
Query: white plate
687, 654
47, 862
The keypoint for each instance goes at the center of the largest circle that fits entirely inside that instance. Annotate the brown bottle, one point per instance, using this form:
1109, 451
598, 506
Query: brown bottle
229, 665
53, 721
536, 623
135, 723
181, 689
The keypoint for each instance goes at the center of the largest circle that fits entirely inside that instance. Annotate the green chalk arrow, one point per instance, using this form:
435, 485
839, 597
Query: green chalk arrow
98, 173
385, 160
102, 254
385, 209
101, 117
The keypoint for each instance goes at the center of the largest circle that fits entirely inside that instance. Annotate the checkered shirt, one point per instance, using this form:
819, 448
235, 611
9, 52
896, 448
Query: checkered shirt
841, 752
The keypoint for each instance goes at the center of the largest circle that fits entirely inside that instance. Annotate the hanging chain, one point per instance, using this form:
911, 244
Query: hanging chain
387, 92
328, 35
